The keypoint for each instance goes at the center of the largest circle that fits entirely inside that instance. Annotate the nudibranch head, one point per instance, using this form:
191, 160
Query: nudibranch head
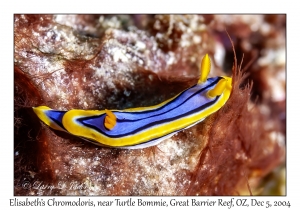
222, 89
218, 89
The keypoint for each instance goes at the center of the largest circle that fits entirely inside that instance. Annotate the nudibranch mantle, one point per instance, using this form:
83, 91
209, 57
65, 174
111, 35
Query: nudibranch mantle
144, 126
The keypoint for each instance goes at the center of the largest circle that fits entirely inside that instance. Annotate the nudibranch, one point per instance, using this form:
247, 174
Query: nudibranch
144, 126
